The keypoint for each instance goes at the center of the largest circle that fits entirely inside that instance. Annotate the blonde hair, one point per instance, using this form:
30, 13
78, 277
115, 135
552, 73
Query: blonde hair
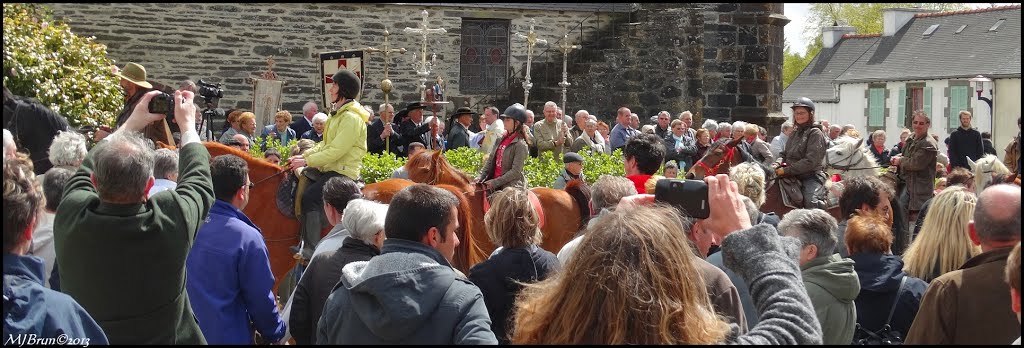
283, 115
943, 242
512, 221
634, 280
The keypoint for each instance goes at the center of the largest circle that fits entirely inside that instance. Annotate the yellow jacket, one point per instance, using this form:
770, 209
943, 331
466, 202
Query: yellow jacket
344, 143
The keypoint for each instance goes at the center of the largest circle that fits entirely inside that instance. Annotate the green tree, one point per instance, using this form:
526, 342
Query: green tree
69, 74
865, 17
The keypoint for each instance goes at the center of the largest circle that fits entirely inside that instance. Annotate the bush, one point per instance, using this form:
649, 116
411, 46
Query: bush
67, 73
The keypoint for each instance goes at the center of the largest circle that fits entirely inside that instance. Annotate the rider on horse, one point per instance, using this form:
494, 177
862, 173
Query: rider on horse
802, 160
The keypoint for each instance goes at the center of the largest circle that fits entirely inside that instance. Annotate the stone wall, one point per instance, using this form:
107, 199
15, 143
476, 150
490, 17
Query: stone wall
228, 43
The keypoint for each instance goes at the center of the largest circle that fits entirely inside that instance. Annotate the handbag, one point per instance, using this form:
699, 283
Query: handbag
886, 336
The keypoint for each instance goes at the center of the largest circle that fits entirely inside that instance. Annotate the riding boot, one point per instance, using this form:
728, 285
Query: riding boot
812, 183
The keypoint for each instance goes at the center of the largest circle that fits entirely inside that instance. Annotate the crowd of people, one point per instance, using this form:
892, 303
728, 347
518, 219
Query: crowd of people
125, 244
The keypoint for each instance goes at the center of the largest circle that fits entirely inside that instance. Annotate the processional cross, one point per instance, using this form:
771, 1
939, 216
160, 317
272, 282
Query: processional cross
565, 47
531, 40
424, 68
385, 84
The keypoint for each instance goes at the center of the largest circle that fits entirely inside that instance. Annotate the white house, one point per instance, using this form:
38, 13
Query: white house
922, 60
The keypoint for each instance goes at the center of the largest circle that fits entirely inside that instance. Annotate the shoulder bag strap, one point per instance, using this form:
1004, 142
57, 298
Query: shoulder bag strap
903, 282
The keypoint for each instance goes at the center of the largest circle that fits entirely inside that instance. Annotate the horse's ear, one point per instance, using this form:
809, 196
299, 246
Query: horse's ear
974, 165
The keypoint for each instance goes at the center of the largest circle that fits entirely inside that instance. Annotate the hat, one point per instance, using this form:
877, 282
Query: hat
570, 157
463, 111
348, 83
134, 73
415, 105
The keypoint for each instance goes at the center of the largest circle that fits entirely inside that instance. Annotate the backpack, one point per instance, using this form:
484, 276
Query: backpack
886, 336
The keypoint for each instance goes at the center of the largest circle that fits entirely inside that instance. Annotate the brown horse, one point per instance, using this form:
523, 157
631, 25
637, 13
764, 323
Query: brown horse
566, 211
279, 231
722, 156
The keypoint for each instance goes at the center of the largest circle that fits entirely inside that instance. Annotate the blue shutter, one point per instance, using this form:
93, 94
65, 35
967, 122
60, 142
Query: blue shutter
903, 107
928, 102
876, 107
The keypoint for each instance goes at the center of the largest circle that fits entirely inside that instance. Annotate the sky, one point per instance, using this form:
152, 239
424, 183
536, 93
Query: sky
798, 13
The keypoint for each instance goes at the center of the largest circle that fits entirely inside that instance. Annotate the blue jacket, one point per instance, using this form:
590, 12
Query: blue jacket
33, 313
229, 279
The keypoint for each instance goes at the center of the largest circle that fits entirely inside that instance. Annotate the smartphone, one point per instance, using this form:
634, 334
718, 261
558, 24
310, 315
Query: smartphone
690, 196
162, 103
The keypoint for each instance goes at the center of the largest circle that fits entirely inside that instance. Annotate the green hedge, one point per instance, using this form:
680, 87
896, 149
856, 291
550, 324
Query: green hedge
540, 172
69, 74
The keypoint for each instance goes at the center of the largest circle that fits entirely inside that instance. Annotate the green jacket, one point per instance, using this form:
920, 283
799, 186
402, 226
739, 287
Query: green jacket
125, 263
832, 285
344, 143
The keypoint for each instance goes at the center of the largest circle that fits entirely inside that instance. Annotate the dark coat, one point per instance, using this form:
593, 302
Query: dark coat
375, 145
458, 136
963, 144
512, 162
125, 263
918, 169
316, 284
31, 309
880, 277
301, 125
35, 126
497, 279
969, 306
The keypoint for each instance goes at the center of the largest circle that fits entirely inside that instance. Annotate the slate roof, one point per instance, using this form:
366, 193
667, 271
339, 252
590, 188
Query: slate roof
910, 55
573, 7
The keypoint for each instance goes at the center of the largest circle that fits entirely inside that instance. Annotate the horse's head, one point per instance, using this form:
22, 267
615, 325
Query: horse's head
717, 160
849, 153
984, 168
431, 167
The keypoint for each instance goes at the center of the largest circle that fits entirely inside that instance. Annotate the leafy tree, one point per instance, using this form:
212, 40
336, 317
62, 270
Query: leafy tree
865, 17
67, 73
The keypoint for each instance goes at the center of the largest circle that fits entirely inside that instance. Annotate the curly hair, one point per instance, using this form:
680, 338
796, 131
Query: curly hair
512, 221
634, 280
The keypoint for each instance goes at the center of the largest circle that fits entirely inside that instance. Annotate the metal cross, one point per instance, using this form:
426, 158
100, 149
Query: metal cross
424, 68
565, 47
385, 84
531, 40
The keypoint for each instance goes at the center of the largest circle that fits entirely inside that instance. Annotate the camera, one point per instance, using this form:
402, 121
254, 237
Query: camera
210, 91
163, 103
690, 196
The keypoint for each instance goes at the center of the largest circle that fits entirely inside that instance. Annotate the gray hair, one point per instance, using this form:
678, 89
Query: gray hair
363, 219
608, 190
165, 163
9, 145
786, 125
308, 106
710, 125
123, 166
752, 210
811, 227
322, 117
68, 149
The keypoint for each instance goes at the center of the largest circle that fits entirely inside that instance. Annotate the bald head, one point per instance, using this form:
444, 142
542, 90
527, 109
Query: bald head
997, 215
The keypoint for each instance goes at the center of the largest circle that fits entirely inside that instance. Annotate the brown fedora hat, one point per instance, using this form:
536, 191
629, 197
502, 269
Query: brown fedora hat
134, 73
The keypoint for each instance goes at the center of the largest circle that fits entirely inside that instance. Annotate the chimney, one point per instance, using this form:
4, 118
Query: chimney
830, 36
893, 19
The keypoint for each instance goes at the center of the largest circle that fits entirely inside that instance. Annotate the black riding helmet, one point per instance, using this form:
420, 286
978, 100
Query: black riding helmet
516, 112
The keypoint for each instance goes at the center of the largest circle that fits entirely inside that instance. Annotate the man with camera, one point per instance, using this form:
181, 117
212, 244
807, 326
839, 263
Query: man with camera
134, 86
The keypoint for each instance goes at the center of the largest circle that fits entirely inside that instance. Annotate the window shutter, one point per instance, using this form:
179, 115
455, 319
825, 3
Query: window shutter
928, 102
876, 107
903, 106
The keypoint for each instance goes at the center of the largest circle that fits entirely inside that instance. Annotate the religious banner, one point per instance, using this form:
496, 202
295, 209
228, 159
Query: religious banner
331, 62
266, 100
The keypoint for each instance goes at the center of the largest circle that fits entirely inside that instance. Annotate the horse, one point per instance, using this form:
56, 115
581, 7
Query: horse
566, 211
279, 231
984, 168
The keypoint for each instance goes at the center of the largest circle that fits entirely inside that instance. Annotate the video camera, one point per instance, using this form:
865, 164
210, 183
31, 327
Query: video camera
210, 91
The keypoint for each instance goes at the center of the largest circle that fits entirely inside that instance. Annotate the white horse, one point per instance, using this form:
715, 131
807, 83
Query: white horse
983, 170
851, 158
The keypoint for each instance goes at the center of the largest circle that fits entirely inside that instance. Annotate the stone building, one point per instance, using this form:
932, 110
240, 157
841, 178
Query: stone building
719, 60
